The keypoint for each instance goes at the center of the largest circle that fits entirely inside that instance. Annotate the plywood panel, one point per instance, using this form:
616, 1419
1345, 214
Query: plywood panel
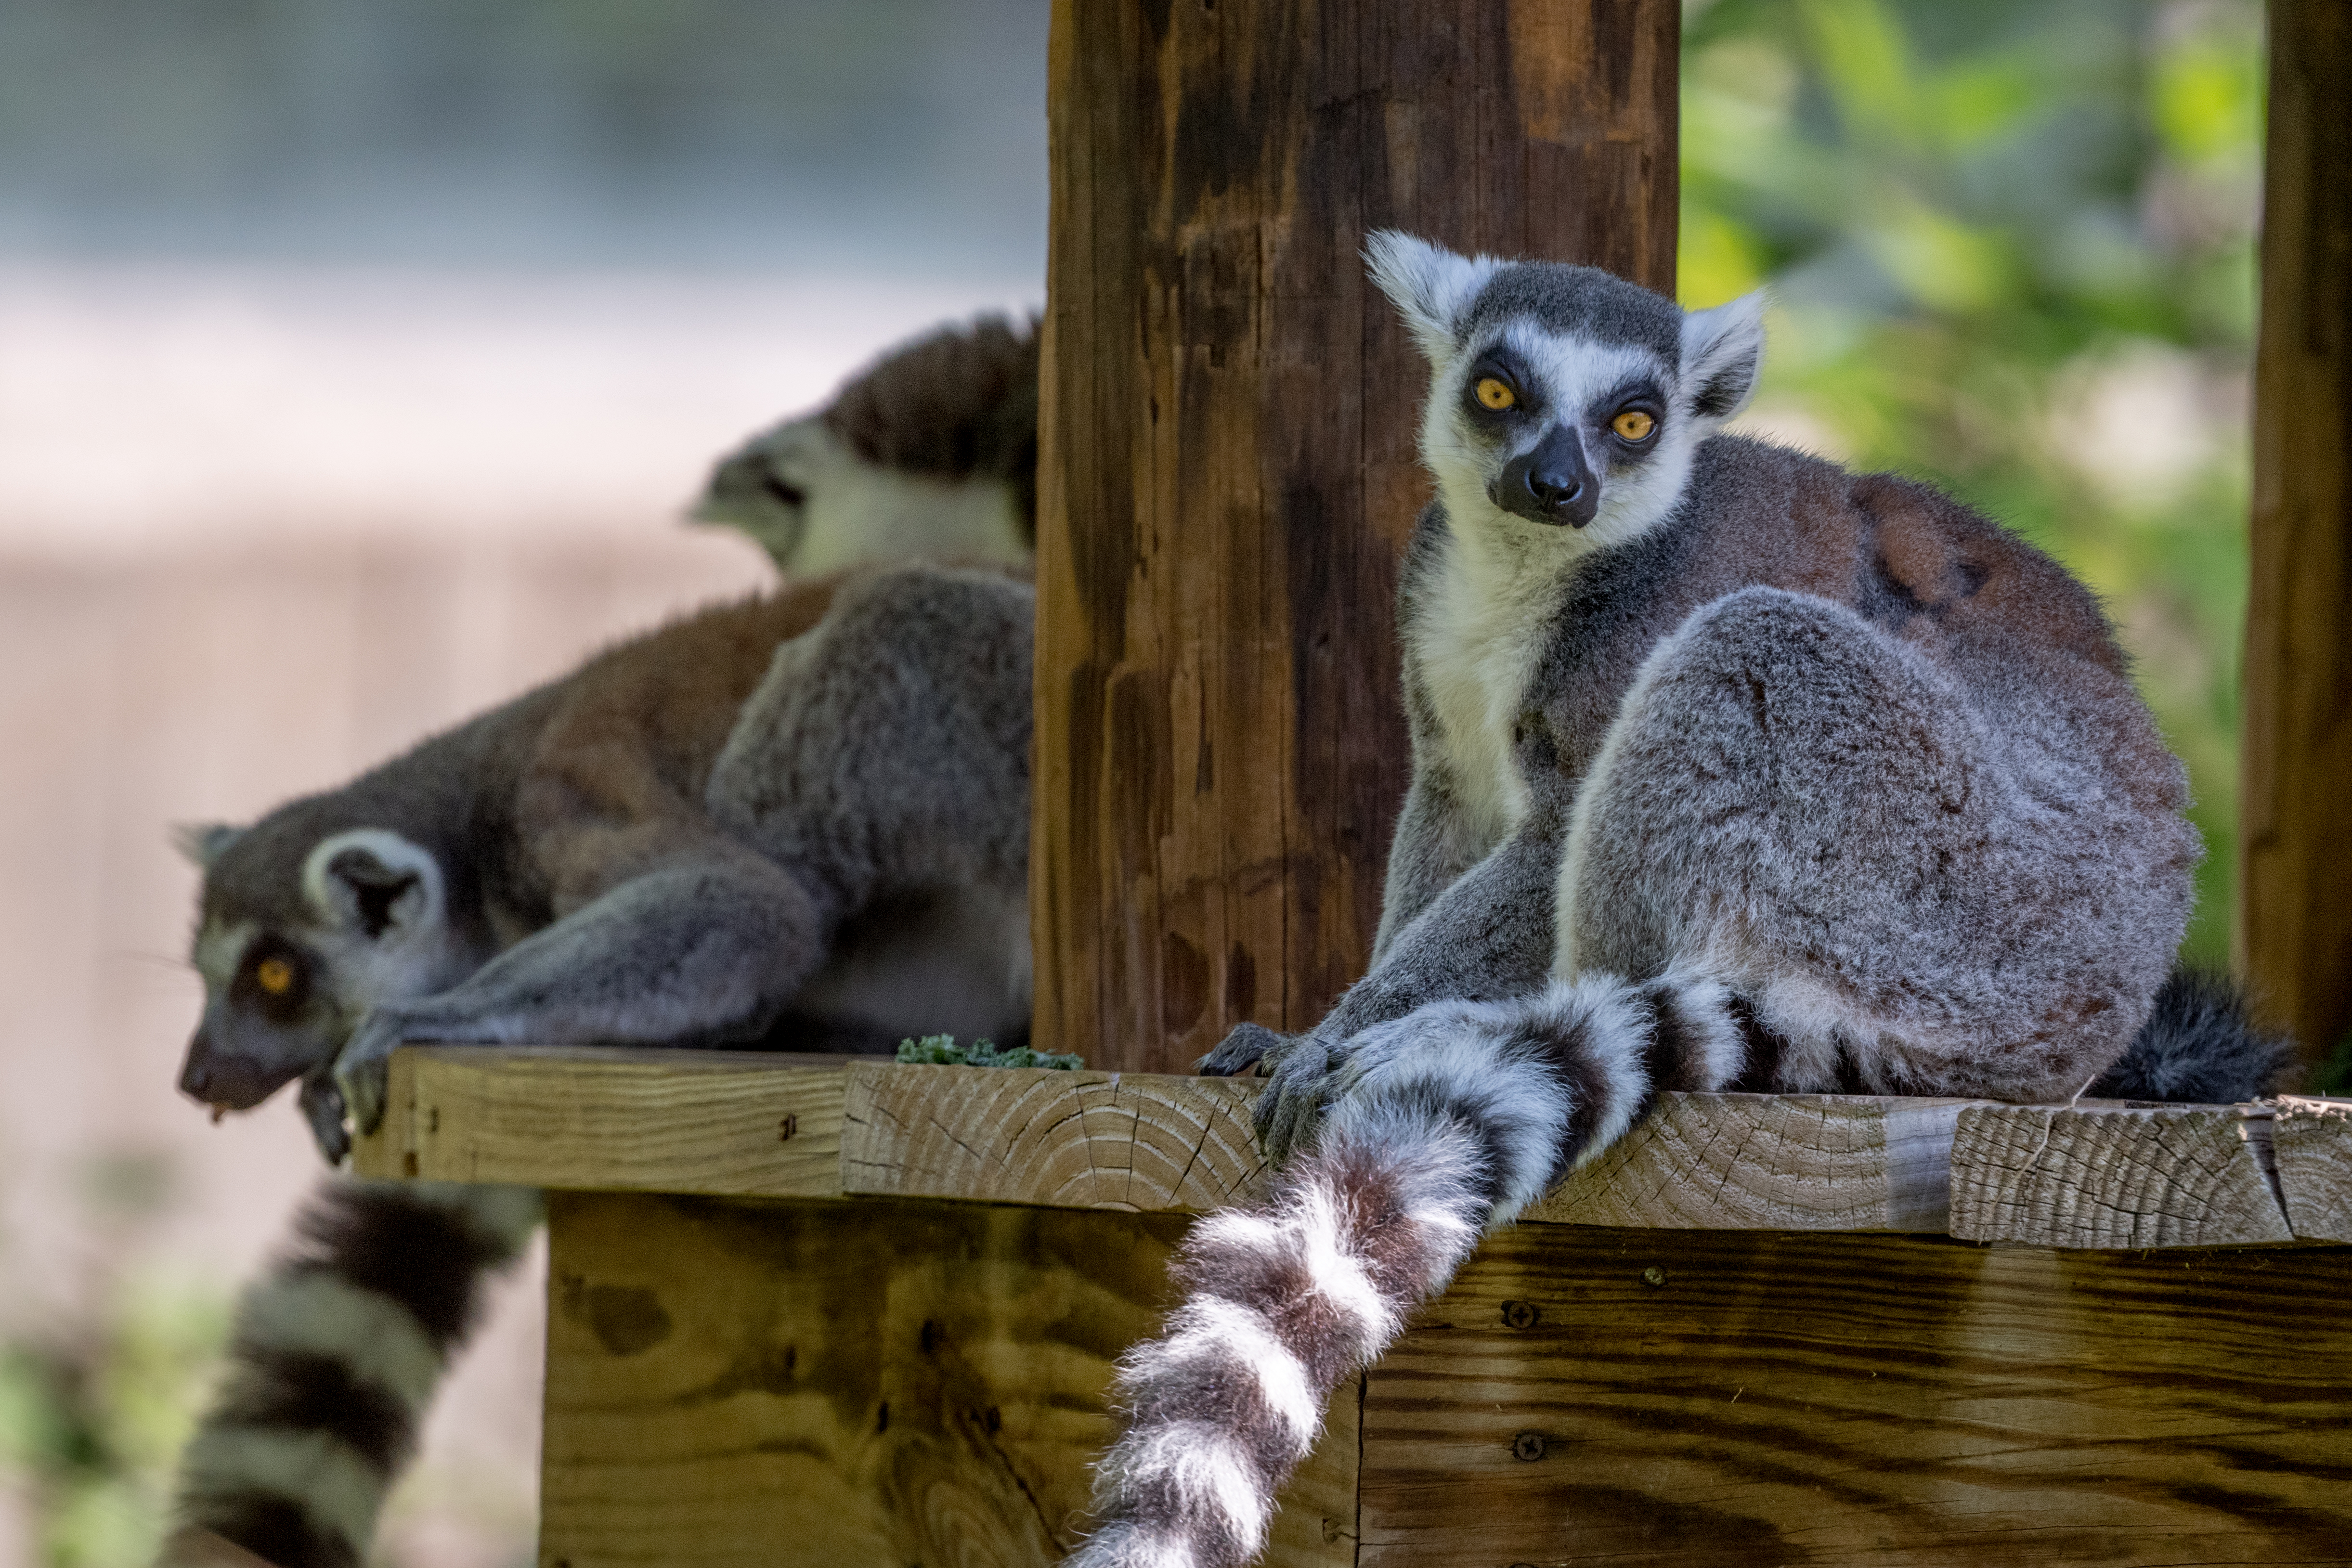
844, 1385
1706, 1400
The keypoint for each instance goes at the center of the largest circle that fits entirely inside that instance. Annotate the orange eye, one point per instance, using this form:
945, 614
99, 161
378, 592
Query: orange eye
274, 976
1633, 424
1496, 394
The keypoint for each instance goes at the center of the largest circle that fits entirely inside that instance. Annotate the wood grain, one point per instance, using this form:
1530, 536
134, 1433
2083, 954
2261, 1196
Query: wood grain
1771, 1162
612, 1119
1228, 472
2311, 1141
2294, 834
2114, 1175
1087, 1140
854, 1385
1864, 1402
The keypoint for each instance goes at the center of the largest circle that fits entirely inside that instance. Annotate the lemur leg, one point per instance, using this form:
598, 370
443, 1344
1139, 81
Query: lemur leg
1487, 937
1911, 893
700, 950
887, 751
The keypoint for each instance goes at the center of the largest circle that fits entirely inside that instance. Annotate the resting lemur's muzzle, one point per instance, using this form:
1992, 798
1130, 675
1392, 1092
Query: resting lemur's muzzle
1551, 483
227, 1081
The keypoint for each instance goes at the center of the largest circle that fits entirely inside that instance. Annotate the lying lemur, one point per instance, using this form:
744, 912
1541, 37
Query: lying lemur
1732, 769
801, 819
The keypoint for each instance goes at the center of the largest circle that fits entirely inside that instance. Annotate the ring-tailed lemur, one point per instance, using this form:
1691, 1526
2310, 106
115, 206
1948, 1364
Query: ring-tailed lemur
333, 908
1731, 770
931, 451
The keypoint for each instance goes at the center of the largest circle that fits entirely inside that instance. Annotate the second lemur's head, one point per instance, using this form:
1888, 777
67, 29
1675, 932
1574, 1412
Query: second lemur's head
304, 922
1563, 400
930, 450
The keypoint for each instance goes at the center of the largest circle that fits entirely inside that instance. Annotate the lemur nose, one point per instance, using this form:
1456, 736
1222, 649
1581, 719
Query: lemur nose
1553, 489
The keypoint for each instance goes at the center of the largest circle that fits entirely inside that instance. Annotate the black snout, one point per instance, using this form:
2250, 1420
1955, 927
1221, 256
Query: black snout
1551, 484
229, 1082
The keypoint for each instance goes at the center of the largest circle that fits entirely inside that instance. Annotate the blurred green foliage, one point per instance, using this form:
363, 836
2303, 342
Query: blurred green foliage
96, 1397
2011, 245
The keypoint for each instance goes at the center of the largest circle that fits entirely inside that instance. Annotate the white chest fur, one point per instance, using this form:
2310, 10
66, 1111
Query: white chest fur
1480, 634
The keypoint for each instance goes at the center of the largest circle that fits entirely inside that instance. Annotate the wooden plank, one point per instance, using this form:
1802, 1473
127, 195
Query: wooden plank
2312, 1140
612, 1118
2107, 1174
1771, 1162
1086, 1140
1228, 475
1864, 1402
2294, 835
853, 1386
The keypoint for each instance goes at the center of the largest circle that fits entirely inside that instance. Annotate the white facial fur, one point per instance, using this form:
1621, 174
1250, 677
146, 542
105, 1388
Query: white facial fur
1500, 591
853, 511
415, 954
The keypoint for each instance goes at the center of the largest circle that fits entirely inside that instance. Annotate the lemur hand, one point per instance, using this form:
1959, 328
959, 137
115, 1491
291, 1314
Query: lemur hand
1301, 1066
362, 1068
322, 1107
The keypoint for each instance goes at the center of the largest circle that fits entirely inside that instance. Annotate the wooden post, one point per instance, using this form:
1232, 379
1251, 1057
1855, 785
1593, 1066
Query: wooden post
2296, 808
1228, 467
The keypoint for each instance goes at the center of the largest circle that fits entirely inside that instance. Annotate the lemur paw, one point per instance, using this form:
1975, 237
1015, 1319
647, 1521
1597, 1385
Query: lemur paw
1242, 1050
362, 1070
1301, 1066
322, 1108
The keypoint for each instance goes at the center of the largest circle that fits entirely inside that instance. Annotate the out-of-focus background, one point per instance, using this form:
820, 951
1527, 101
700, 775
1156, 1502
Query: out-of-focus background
357, 355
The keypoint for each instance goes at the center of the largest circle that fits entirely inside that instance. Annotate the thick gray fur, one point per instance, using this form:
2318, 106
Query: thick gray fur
1933, 843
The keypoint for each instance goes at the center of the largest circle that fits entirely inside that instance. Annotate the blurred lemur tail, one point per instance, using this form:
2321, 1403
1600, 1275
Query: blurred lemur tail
2199, 1046
1457, 1117
333, 1360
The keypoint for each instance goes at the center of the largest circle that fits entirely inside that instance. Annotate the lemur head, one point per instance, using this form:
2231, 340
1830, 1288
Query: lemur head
299, 932
930, 451
1563, 401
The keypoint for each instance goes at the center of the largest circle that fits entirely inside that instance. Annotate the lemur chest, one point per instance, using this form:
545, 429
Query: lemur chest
1482, 637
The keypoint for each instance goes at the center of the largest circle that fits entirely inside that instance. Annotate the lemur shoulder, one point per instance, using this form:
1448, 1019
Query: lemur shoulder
1731, 770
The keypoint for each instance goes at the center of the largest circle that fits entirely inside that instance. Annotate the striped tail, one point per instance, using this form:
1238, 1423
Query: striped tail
1442, 1125
333, 1359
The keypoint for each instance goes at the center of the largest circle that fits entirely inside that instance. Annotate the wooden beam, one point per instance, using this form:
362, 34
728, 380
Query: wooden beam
732, 1123
2112, 1175
2311, 1141
1228, 473
2294, 830
867, 1385
1688, 1399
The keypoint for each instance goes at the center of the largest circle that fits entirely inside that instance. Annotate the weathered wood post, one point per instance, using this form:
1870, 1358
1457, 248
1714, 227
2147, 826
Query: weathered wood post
2296, 806
1229, 470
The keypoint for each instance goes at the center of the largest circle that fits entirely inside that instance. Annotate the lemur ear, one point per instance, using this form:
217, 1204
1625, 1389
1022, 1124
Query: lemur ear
1722, 350
1430, 286
373, 881
201, 843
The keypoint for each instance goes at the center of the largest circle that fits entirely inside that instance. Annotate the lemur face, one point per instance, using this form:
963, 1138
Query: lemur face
358, 921
815, 505
1562, 398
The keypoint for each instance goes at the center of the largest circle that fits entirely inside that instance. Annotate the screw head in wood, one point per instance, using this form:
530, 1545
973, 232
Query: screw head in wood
1527, 1447
1521, 1314
1653, 1275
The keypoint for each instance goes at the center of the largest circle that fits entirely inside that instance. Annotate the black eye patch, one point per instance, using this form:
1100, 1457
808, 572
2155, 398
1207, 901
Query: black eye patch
1499, 364
1639, 395
274, 979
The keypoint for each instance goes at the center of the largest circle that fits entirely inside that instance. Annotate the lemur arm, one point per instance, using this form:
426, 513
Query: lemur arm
1434, 848
703, 947
1488, 935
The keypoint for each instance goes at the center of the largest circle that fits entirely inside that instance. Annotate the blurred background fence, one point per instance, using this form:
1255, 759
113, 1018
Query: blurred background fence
356, 355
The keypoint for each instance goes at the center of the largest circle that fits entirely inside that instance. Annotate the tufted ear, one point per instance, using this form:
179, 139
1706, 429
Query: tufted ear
1723, 349
203, 842
373, 881
1430, 286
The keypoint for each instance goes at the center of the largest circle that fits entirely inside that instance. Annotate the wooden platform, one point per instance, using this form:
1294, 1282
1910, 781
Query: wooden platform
842, 1312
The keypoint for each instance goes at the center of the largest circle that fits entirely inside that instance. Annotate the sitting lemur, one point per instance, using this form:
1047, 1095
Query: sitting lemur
735, 829
1732, 769
801, 820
